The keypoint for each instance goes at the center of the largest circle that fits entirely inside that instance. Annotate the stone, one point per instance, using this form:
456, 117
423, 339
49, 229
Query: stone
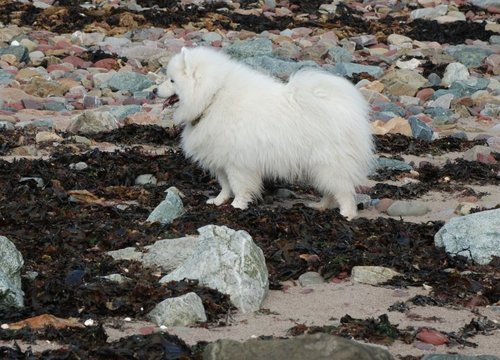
128, 253
397, 125
128, 81
43, 88
470, 56
11, 263
169, 209
476, 236
392, 164
419, 129
184, 310
459, 357
311, 346
339, 55
465, 208
348, 69
480, 153
145, 179
403, 82
92, 122
429, 13
444, 101
407, 208
5, 76
117, 278
47, 136
384, 204
372, 275
229, 261
400, 40
20, 52
250, 48
454, 72
123, 111
168, 254
278, 67
310, 278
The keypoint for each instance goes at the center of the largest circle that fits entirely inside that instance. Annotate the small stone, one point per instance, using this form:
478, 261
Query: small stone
184, 310
19, 52
384, 204
465, 208
79, 166
92, 122
470, 56
396, 39
372, 275
250, 48
407, 208
310, 278
455, 72
425, 94
39, 181
145, 179
480, 153
339, 55
429, 13
393, 164
403, 82
419, 129
169, 209
397, 125
431, 336
128, 81
47, 136
444, 101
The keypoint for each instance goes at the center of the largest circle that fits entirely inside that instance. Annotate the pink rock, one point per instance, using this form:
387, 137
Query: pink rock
143, 119
108, 64
15, 106
431, 336
425, 94
146, 330
63, 67
75, 61
384, 204
32, 104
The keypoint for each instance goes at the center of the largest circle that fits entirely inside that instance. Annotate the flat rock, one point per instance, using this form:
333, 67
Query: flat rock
184, 310
403, 82
310, 278
250, 48
407, 208
315, 346
128, 81
229, 261
372, 275
476, 236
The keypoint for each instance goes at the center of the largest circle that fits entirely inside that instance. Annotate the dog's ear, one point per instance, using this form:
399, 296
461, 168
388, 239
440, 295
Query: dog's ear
186, 61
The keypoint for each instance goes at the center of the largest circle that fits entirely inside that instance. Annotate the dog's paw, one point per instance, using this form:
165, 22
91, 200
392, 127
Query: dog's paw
240, 204
217, 201
348, 214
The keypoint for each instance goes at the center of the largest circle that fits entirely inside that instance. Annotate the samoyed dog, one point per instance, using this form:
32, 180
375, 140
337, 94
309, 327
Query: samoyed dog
245, 127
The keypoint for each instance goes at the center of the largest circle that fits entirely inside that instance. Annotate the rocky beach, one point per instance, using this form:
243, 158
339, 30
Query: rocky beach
109, 251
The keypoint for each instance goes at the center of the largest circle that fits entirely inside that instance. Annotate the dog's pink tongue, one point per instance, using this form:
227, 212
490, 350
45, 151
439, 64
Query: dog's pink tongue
170, 100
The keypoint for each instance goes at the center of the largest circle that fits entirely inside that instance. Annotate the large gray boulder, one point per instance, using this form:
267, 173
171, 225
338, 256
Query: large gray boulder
316, 346
11, 262
475, 236
184, 310
229, 261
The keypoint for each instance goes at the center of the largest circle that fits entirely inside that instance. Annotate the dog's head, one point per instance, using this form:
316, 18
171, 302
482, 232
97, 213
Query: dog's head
193, 77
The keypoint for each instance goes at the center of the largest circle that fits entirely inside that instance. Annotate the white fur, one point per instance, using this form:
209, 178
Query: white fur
252, 127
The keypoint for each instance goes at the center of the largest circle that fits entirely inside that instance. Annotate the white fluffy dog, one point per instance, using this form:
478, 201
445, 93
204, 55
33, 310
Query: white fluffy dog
244, 126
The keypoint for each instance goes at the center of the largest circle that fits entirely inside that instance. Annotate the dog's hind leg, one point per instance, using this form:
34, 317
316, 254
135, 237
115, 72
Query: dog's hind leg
245, 186
334, 187
225, 192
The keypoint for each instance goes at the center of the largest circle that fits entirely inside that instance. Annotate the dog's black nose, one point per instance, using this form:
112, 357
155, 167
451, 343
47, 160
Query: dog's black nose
155, 91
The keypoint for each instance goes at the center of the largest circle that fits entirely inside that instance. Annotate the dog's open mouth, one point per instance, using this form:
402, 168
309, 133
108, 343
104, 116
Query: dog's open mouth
170, 100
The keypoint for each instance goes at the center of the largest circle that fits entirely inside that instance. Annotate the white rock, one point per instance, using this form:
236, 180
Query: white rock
454, 72
180, 311
475, 236
229, 261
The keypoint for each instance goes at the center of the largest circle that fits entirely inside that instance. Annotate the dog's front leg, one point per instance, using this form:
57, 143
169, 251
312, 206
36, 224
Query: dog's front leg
225, 193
